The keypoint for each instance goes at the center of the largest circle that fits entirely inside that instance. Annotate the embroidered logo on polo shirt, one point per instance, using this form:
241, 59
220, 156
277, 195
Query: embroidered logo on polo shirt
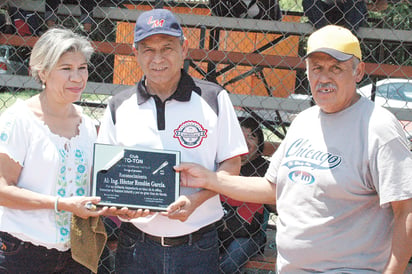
190, 134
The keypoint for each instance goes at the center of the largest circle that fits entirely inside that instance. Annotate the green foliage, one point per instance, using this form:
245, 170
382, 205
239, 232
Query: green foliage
398, 16
291, 5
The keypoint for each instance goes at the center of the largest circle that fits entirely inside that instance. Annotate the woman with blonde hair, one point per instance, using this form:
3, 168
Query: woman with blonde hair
45, 160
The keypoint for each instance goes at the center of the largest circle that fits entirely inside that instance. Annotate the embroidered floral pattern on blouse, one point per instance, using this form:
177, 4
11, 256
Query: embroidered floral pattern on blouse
77, 174
6, 130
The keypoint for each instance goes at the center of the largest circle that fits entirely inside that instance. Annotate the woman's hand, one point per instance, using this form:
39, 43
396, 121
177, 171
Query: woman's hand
77, 205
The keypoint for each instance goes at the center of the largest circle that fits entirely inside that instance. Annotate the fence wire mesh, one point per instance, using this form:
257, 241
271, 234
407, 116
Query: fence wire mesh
253, 49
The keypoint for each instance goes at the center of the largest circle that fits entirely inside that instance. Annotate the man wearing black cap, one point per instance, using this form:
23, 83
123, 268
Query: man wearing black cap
340, 178
168, 109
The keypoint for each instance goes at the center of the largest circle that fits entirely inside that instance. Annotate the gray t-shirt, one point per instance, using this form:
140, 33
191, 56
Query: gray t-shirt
336, 175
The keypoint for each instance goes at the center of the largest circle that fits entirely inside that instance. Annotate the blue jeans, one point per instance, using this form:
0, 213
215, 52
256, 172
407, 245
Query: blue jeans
138, 254
17, 256
239, 251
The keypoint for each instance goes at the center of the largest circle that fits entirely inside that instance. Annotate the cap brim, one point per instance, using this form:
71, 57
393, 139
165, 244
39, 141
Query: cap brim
338, 55
171, 33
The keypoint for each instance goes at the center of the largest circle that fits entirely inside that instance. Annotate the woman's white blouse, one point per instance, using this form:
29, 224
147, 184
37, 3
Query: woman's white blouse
52, 165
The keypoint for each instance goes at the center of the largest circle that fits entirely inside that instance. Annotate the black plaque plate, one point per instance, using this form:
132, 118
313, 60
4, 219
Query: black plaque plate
134, 177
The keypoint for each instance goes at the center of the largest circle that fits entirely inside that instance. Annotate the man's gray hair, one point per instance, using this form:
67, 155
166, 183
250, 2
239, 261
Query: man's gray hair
355, 63
52, 45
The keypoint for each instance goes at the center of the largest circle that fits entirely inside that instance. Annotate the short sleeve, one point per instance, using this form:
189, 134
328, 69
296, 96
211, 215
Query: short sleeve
13, 135
275, 162
231, 140
392, 172
107, 131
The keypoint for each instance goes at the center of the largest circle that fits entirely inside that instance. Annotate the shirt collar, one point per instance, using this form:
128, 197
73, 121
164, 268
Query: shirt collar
183, 92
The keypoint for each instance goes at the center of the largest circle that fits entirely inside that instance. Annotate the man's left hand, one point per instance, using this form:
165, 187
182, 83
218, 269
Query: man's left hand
181, 209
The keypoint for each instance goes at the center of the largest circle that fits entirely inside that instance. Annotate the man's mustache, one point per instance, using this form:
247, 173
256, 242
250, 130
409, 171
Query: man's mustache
326, 86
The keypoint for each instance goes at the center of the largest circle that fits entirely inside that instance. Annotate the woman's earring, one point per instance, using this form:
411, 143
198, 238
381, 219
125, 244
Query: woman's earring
43, 85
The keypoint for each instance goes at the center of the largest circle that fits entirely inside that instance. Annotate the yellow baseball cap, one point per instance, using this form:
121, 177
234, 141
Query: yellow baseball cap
335, 41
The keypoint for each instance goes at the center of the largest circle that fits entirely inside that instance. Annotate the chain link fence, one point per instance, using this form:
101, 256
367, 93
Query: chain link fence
252, 48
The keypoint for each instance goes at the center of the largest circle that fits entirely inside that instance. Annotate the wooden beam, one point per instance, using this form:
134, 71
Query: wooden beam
226, 23
17, 40
224, 57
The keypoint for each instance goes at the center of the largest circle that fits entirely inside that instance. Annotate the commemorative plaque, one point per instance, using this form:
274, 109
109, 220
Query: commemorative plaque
134, 177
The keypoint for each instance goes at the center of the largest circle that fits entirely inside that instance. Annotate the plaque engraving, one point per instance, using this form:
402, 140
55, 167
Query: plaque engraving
135, 177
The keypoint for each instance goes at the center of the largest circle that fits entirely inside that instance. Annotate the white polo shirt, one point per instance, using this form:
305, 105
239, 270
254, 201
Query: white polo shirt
198, 120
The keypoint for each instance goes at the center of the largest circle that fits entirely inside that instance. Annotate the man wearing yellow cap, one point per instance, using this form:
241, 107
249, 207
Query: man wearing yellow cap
340, 178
